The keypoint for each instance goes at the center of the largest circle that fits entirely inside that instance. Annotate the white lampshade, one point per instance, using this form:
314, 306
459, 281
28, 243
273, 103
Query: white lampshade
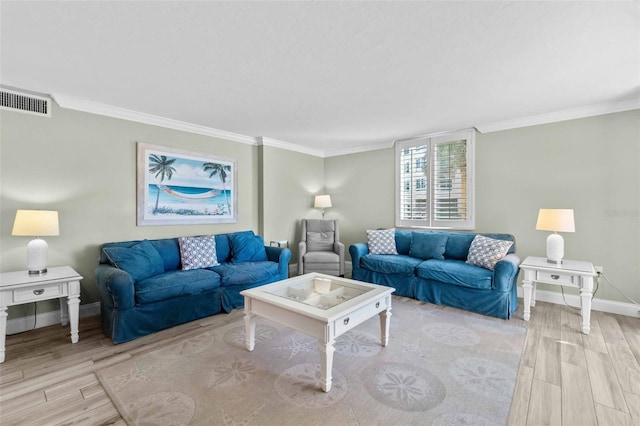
36, 223
322, 201
556, 220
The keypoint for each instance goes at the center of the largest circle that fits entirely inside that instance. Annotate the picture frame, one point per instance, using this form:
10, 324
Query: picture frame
179, 187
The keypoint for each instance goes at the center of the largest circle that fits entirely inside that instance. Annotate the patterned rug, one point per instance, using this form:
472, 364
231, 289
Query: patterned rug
442, 367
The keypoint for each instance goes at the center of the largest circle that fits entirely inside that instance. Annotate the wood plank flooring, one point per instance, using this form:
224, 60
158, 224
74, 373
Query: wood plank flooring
565, 377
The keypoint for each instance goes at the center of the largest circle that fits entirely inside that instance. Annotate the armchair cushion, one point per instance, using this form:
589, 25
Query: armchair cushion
141, 260
247, 247
320, 241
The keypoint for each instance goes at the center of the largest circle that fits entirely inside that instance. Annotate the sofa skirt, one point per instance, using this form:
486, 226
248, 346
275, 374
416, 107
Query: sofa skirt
125, 325
486, 302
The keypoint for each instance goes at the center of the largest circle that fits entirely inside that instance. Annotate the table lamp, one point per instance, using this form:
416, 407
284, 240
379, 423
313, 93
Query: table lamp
556, 220
36, 223
322, 202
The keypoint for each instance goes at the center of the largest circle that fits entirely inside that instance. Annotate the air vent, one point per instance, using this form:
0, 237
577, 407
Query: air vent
13, 100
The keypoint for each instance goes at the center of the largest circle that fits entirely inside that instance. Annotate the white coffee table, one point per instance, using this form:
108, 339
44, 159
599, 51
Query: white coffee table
303, 304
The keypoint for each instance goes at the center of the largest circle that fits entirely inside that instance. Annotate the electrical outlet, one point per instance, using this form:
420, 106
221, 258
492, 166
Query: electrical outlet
600, 270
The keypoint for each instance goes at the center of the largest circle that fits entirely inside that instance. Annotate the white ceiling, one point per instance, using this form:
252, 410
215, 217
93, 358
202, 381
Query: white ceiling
329, 77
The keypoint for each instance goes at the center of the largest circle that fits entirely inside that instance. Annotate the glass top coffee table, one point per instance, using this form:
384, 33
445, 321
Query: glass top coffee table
321, 306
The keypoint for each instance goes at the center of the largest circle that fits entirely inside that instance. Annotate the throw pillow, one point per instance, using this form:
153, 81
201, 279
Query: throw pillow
428, 245
247, 247
198, 252
382, 241
486, 252
141, 260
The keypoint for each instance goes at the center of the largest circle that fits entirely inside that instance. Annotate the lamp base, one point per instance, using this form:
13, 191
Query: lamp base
37, 256
555, 249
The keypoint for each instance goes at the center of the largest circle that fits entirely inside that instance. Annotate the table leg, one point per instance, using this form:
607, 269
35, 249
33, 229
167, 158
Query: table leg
74, 313
3, 330
526, 288
385, 319
326, 363
250, 329
585, 299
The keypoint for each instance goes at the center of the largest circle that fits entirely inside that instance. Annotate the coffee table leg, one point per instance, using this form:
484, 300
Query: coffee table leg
326, 364
250, 329
385, 319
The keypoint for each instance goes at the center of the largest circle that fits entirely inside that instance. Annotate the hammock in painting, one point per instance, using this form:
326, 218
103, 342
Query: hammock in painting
193, 197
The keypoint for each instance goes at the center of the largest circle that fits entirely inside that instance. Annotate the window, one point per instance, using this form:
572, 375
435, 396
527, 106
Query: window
436, 190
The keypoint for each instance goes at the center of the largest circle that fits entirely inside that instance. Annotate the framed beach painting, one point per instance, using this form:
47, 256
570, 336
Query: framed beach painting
177, 187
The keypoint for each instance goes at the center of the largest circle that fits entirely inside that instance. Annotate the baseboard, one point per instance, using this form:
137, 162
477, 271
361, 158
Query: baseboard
18, 325
293, 269
603, 305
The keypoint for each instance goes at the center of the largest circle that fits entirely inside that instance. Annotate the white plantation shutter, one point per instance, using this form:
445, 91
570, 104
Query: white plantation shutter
434, 185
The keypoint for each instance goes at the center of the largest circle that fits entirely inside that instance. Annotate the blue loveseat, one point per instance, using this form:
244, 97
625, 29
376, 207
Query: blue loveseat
144, 289
446, 279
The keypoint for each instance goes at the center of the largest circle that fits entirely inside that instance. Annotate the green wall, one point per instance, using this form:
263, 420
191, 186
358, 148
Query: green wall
84, 166
591, 165
290, 181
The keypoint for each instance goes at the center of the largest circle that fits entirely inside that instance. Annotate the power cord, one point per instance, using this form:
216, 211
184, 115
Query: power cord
599, 274
617, 289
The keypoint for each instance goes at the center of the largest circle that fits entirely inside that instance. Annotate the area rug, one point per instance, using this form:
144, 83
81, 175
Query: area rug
442, 367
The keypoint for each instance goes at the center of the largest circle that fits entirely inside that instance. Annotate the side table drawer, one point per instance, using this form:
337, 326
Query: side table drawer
33, 294
557, 277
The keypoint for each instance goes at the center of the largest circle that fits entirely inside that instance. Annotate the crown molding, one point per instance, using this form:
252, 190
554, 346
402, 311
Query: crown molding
83, 105
359, 150
552, 117
262, 140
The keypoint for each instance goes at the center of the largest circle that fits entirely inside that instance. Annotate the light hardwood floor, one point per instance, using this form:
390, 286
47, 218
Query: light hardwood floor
565, 377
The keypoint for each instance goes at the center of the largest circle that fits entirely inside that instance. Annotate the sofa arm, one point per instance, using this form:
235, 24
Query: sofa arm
115, 286
505, 273
282, 256
357, 251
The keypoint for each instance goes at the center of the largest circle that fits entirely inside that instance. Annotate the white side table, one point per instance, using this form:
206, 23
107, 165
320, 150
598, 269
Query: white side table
279, 243
572, 273
17, 288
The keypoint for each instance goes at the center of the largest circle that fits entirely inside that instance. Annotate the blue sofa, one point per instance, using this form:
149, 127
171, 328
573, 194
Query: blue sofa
144, 289
447, 280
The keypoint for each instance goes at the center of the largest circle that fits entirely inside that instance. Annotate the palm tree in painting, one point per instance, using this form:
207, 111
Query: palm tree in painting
217, 169
160, 166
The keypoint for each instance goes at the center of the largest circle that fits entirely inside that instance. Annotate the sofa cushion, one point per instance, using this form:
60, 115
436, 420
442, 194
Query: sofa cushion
141, 260
198, 252
458, 244
486, 252
403, 241
428, 245
247, 247
174, 284
456, 272
244, 273
223, 248
169, 251
382, 241
390, 264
